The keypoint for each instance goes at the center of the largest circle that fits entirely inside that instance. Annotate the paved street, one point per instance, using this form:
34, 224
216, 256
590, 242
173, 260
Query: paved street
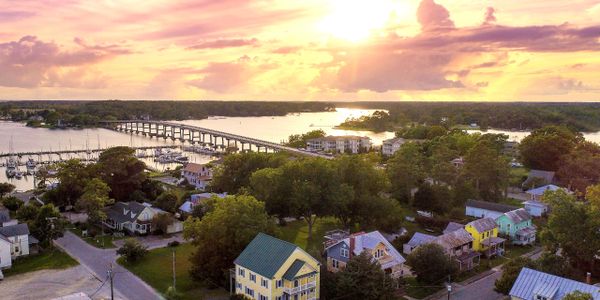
99, 260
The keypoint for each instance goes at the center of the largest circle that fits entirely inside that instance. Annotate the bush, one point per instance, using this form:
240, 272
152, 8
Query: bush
173, 244
457, 213
172, 294
438, 223
12, 203
132, 250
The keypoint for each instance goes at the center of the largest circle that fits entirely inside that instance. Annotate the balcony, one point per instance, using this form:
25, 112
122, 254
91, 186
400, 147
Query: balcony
300, 288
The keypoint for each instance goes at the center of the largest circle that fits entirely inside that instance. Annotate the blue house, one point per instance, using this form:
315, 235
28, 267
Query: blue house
517, 225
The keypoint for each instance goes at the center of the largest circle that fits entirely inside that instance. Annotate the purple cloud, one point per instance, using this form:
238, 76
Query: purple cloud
225, 43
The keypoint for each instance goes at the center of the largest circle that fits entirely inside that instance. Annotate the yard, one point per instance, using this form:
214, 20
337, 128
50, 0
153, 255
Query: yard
99, 241
297, 232
155, 270
49, 259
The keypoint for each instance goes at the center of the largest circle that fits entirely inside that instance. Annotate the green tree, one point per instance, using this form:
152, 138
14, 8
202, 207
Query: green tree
431, 264
122, 171
572, 227
488, 170
405, 170
12, 203
223, 234
6, 188
577, 295
581, 167
48, 225
555, 264
299, 140
94, 199
510, 272
132, 250
236, 169
28, 213
363, 278
167, 201
544, 147
161, 222
73, 175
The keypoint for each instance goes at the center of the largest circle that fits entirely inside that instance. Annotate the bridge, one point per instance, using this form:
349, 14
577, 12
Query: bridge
201, 135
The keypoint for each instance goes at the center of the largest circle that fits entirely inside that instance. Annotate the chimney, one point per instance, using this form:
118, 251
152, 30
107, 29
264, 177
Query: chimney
588, 278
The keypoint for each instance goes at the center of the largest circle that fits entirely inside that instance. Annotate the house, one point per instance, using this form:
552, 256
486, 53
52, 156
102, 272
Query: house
417, 240
5, 249
375, 244
536, 208
453, 226
458, 162
532, 284
197, 175
390, 146
18, 236
340, 144
5, 219
485, 209
537, 194
135, 217
539, 177
517, 225
485, 236
188, 206
270, 268
458, 244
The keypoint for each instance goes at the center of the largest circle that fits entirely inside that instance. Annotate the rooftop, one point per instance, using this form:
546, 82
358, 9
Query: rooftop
453, 239
265, 255
14, 230
542, 189
531, 282
490, 206
193, 168
518, 215
483, 224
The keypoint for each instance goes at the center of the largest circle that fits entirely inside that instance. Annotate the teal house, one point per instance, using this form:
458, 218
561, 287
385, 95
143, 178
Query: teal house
517, 225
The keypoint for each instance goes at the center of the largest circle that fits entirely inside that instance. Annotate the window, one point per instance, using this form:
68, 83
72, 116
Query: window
239, 286
278, 298
253, 277
344, 253
296, 283
249, 292
264, 283
335, 263
279, 283
379, 253
242, 272
261, 297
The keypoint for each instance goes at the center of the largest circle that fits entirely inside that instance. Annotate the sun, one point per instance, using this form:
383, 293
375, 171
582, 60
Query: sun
355, 20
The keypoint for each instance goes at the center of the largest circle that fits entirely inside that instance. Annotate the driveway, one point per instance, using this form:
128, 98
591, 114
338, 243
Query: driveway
50, 284
154, 241
99, 261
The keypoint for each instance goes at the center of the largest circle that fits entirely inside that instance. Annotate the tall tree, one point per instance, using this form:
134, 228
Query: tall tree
581, 167
510, 272
405, 170
73, 175
544, 147
6, 188
222, 235
122, 171
488, 170
363, 278
299, 140
48, 225
94, 199
235, 171
431, 264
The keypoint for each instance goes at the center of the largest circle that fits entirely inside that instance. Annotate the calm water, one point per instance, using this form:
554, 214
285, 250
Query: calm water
275, 129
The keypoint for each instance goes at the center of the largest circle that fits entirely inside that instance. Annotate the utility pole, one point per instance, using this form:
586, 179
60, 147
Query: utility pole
110, 276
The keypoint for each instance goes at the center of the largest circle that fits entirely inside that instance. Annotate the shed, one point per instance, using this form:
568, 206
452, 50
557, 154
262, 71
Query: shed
536, 208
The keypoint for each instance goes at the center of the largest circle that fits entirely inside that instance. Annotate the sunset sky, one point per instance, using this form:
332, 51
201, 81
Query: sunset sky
300, 50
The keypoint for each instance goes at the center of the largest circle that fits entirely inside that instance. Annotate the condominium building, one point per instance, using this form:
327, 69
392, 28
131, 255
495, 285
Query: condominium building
340, 144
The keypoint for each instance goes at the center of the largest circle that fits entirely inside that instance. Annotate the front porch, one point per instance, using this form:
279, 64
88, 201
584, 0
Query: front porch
468, 260
525, 236
493, 246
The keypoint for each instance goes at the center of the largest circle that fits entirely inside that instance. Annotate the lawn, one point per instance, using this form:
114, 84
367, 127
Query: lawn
155, 269
418, 290
49, 259
297, 232
99, 241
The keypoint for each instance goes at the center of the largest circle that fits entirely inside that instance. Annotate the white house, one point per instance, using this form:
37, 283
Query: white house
536, 208
18, 236
340, 144
188, 206
5, 248
135, 217
390, 146
485, 209
197, 175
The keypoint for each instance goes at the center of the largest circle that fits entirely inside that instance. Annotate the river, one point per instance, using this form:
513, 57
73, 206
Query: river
274, 129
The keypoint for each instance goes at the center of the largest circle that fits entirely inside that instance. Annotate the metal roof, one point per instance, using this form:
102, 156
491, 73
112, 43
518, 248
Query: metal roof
531, 282
452, 226
483, 224
14, 230
490, 206
542, 189
265, 255
535, 203
518, 215
420, 239
290, 274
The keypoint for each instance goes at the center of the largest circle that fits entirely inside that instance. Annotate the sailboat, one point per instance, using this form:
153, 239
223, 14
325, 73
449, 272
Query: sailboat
11, 163
30, 164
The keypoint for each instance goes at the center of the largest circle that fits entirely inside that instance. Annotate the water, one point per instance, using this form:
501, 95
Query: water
274, 129
517, 136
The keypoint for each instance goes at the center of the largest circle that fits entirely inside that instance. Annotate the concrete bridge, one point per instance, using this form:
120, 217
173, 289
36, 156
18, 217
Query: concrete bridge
200, 135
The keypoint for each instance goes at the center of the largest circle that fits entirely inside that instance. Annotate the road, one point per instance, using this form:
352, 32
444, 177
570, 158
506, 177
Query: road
98, 261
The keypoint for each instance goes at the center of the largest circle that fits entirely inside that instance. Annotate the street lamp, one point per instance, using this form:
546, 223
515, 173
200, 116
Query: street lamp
449, 288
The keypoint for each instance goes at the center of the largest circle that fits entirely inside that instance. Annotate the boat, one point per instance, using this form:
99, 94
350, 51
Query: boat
181, 159
18, 174
30, 164
11, 167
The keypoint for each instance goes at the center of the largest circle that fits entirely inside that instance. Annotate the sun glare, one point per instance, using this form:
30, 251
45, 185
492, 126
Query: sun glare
355, 20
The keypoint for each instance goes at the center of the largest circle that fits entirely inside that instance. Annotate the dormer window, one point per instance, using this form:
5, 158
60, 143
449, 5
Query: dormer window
538, 297
345, 253
379, 253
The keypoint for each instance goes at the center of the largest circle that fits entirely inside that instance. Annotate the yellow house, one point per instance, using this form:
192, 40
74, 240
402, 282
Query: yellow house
272, 269
485, 236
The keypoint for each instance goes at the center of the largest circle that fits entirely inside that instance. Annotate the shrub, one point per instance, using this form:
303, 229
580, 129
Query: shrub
12, 203
438, 223
173, 244
132, 250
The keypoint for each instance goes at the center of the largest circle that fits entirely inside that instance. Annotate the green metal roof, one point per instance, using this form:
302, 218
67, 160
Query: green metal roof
290, 274
265, 255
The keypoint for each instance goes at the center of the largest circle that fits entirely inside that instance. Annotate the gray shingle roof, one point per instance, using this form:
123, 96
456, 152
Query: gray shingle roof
115, 212
452, 226
4, 215
14, 230
265, 255
420, 239
490, 206
531, 282
484, 224
518, 215
453, 239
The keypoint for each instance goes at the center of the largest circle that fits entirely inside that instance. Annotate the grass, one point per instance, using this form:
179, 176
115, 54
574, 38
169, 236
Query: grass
99, 241
418, 290
155, 270
297, 232
50, 259
512, 201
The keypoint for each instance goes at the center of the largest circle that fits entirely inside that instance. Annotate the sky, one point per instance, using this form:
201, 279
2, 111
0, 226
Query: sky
505, 50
